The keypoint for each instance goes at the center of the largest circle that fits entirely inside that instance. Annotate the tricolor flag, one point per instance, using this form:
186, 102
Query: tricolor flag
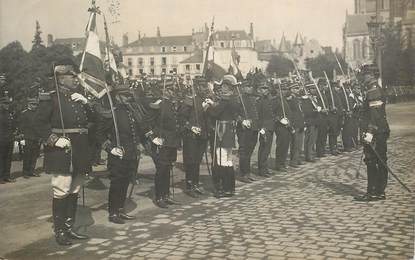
110, 64
92, 76
234, 64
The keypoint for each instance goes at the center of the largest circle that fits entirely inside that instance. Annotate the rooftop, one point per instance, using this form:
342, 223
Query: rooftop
227, 35
163, 40
197, 57
357, 24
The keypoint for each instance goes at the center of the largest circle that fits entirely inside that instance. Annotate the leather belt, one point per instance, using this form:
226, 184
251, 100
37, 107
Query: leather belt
70, 131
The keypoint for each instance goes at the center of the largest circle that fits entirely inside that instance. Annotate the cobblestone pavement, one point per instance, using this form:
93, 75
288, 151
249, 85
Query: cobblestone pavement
303, 214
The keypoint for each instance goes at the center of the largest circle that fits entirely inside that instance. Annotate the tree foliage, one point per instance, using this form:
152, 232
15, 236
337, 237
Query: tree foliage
279, 65
391, 55
37, 39
326, 63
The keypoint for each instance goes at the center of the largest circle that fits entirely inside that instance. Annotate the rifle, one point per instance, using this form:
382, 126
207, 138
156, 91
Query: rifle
330, 90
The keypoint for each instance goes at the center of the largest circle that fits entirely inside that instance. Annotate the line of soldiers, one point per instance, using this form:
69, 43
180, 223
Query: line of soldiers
202, 118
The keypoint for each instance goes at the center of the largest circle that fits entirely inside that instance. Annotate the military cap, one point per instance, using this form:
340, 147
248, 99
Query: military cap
230, 80
65, 66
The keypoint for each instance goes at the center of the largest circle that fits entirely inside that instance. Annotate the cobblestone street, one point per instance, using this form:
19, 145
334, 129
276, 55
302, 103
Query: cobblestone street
307, 213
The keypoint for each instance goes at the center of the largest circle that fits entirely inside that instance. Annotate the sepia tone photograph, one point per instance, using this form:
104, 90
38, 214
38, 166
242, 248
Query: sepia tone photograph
207, 129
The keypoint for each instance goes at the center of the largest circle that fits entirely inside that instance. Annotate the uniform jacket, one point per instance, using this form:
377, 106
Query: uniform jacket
251, 106
166, 124
310, 113
7, 125
192, 114
267, 108
26, 124
374, 117
297, 116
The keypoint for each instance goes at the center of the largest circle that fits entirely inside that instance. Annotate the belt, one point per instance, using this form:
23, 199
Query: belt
70, 131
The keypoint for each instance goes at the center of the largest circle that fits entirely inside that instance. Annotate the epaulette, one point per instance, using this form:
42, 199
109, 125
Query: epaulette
44, 96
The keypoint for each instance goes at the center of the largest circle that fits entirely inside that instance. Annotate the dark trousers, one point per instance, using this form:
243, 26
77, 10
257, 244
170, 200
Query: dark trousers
30, 155
247, 140
296, 145
310, 138
333, 130
265, 144
120, 175
6, 151
321, 138
193, 150
164, 164
347, 133
377, 174
283, 143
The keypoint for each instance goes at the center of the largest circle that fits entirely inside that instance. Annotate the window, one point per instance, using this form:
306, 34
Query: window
163, 70
197, 66
187, 67
175, 70
151, 61
173, 49
130, 72
152, 71
130, 62
141, 71
185, 48
163, 49
163, 61
174, 60
140, 62
222, 44
356, 49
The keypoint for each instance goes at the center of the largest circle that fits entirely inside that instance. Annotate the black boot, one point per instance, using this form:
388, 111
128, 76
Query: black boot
196, 174
72, 205
59, 213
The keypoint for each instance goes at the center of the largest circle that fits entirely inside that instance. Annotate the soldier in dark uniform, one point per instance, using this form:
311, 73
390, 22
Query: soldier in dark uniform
7, 128
61, 122
165, 142
122, 156
247, 130
225, 111
195, 136
322, 122
298, 124
335, 116
348, 124
31, 139
310, 109
376, 132
266, 123
283, 131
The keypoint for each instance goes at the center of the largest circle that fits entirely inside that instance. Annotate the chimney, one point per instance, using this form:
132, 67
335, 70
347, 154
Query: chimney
251, 30
158, 32
125, 39
50, 40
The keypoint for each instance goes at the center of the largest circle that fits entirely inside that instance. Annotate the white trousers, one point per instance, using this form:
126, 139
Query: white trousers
63, 185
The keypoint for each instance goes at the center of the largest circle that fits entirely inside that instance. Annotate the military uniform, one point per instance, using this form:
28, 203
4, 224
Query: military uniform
283, 134
7, 128
310, 111
335, 117
322, 126
298, 125
192, 115
247, 136
348, 123
32, 140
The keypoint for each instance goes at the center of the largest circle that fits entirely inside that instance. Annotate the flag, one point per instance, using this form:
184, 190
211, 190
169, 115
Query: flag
92, 76
110, 64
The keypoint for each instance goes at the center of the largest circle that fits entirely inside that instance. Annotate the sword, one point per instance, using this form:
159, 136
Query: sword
331, 91
389, 170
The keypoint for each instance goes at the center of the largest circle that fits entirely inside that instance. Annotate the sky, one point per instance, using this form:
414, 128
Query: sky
319, 19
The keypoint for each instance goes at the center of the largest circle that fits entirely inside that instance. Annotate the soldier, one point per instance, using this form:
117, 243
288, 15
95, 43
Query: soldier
7, 127
247, 130
348, 123
322, 122
61, 122
165, 142
283, 131
225, 111
376, 132
31, 139
311, 111
298, 124
195, 135
121, 145
335, 116
266, 123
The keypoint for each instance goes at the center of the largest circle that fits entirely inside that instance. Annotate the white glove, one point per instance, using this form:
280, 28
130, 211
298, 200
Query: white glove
368, 137
284, 121
158, 141
63, 143
351, 95
78, 97
246, 123
196, 130
262, 131
22, 142
209, 101
318, 108
116, 151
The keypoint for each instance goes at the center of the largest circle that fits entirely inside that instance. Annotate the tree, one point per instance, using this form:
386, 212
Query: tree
326, 63
279, 65
37, 39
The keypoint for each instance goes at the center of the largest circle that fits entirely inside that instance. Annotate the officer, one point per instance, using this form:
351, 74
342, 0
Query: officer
31, 139
247, 130
266, 123
297, 139
7, 128
284, 129
224, 111
375, 134
61, 122
165, 142
195, 135
122, 153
